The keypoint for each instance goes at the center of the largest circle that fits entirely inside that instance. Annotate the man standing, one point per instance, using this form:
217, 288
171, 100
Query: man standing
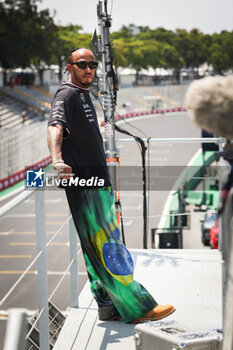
76, 148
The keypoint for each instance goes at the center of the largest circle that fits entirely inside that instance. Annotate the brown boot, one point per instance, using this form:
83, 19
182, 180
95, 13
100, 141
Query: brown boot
159, 312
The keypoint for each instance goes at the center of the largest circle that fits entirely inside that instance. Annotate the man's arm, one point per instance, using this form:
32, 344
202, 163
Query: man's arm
55, 137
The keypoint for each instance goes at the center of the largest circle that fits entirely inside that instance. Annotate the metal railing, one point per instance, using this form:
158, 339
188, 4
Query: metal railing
17, 322
42, 278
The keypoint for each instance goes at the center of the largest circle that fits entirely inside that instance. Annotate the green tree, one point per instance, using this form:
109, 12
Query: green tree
220, 51
30, 36
218, 58
126, 32
67, 38
190, 47
227, 45
152, 54
160, 35
207, 41
26, 34
171, 59
119, 52
135, 55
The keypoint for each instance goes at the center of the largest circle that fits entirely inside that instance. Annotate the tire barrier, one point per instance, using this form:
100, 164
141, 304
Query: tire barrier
153, 111
21, 175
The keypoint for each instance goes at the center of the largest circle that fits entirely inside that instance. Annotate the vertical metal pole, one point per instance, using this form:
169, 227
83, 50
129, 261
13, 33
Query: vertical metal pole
220, 243
144, 200
226, 244
108, 91
228, 315
74, 266
223, 229
16, 330
42, 269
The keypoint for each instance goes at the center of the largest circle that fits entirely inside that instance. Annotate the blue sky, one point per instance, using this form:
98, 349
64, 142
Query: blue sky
208, 15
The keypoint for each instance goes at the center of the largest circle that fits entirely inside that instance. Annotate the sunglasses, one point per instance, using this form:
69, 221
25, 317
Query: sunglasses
84, 64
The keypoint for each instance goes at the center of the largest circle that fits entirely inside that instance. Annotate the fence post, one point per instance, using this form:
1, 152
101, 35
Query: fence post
74, 266
16, 330
228, 314
42, 269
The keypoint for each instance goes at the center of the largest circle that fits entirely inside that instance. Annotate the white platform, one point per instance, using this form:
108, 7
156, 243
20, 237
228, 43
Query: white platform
188, 279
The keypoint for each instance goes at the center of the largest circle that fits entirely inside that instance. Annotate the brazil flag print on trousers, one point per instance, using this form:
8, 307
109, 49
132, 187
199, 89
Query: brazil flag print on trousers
109, 264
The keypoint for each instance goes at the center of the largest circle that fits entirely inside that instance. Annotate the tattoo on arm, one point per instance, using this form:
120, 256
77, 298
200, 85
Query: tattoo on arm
54, 137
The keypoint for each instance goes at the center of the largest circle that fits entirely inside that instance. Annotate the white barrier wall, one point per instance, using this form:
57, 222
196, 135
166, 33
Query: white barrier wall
22, 147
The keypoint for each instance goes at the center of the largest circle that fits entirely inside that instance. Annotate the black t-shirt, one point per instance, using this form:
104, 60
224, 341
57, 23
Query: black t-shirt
82, 146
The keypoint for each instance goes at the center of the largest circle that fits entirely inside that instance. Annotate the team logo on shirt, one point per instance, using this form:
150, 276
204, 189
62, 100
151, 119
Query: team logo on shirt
82, 96
59, 103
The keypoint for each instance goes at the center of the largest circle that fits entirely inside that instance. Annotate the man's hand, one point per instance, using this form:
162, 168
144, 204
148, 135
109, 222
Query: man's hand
65, 171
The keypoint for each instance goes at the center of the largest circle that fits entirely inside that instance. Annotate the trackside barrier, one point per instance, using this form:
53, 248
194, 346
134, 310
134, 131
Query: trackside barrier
145, 113
18, 149
21, 175
14, 202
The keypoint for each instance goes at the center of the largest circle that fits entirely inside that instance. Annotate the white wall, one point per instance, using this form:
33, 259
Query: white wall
126, 79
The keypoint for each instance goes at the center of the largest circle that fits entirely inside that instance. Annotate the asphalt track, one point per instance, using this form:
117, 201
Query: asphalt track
17, 228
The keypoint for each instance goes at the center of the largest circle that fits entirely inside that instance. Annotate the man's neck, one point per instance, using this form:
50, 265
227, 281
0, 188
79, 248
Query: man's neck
78, 86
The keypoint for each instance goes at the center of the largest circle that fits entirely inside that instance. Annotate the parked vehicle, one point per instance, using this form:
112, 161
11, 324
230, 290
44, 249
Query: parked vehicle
214, 234
208, 222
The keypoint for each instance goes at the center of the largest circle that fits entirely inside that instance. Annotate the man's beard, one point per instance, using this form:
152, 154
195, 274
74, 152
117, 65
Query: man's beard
80, 81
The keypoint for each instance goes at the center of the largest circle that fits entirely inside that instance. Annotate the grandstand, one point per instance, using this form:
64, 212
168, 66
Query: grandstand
16, 111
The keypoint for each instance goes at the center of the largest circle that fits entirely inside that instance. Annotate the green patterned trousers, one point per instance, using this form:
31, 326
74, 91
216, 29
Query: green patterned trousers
108, 262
